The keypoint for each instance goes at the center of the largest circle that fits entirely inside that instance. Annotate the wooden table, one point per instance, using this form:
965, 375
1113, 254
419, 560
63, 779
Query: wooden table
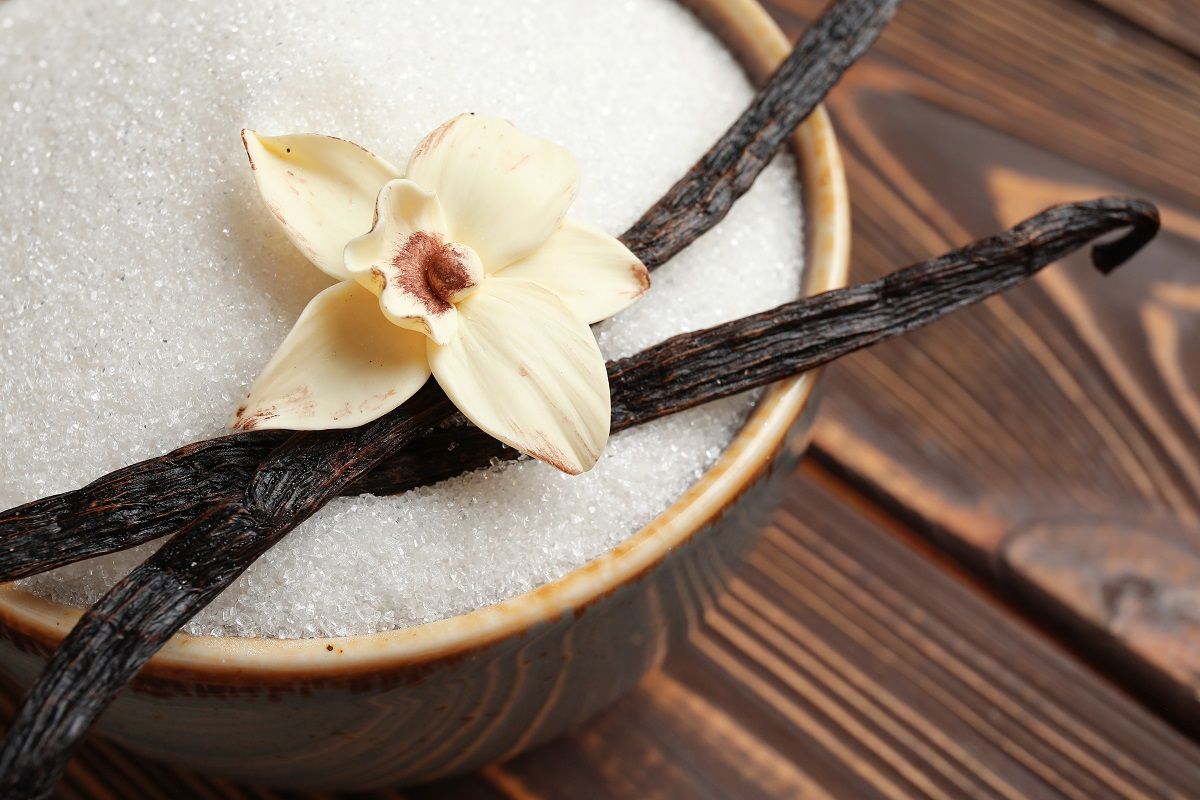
986, 580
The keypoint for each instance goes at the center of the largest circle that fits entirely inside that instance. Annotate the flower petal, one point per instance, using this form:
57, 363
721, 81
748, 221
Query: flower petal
320, 188
406, 261
528, 371
504, 191
342, 365
593, 273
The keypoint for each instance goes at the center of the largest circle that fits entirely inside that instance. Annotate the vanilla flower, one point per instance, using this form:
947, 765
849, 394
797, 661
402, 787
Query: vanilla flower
463, 266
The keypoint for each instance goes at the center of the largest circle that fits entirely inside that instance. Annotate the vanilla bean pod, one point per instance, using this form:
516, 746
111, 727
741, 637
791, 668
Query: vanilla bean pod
704, 196
132, 505
147, 607
136, 617
158, 496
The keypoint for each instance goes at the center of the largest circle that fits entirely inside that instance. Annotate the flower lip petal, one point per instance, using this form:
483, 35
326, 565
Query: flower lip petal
504, 191
528, 371
405, 260
422, 310
321, 189
342, 365
593, 273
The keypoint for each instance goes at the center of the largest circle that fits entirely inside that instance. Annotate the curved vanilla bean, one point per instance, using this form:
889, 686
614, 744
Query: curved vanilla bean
136, 617
704, 196
776, 344
160, 496
153, 498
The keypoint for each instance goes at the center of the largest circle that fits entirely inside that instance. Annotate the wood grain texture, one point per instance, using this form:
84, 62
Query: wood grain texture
841, 665
1066, 75
1074, 398
1173, 21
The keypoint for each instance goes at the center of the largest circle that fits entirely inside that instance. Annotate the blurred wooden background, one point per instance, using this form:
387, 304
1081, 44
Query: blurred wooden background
986, 579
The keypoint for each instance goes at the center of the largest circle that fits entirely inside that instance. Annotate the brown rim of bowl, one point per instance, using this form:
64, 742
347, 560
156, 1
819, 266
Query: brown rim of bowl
746, 28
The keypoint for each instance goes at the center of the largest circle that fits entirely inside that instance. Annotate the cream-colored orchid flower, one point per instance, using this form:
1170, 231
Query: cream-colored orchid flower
463, 266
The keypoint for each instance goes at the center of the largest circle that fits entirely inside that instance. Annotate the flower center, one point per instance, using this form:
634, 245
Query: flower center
436, 273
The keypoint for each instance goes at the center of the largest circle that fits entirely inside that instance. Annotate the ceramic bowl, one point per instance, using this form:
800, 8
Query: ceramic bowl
413, 705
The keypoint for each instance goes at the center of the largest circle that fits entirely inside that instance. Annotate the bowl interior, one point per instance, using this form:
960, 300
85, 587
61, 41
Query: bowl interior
760, 45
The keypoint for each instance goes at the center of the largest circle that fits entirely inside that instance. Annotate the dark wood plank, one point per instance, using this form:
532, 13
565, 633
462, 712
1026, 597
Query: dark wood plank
666, 741
1174, 21
1065, 75
1073, 398
1075, 390
843, 664
1077, 397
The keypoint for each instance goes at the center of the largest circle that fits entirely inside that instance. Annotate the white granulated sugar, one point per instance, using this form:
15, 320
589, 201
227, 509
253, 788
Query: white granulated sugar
143, 284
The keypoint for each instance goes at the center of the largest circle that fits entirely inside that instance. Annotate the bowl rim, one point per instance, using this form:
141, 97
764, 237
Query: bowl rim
751, 34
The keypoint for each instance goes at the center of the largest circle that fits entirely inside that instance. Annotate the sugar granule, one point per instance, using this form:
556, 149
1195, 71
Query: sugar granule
143, 285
